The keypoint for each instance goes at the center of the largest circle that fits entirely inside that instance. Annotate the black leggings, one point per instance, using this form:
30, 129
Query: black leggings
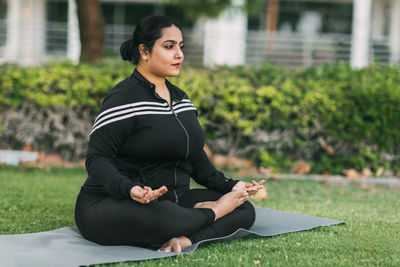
109, 221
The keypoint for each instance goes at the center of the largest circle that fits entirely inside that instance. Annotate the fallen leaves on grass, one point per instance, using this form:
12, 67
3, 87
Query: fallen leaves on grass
301, 168
45, 161
367, 172
379, 172
353, 174
268, 171
250, 171
234, 162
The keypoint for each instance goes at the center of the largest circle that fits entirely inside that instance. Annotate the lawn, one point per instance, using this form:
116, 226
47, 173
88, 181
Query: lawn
35, 200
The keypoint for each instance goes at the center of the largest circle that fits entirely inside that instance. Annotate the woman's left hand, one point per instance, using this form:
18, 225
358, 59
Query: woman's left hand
250, 188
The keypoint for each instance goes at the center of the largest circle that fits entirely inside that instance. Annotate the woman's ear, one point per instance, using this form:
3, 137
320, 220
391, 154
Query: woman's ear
144, 52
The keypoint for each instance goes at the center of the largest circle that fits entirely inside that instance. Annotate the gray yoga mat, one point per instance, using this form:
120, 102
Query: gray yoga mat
66, 247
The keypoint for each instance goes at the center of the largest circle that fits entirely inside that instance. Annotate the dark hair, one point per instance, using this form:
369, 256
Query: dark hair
147, 32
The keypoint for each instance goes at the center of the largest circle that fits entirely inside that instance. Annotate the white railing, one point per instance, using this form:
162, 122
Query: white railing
115, 35
298, 50
281, 49
56, 38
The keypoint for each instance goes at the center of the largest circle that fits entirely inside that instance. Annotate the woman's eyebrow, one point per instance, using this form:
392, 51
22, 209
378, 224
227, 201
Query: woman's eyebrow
172, 41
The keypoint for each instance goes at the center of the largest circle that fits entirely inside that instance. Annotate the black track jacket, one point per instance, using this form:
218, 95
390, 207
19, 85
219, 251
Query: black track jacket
138, 139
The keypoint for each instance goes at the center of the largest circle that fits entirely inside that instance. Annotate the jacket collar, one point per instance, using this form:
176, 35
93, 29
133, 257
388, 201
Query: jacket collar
176, 93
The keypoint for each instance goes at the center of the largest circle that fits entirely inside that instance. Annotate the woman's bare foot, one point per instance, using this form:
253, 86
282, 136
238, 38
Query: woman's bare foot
176, 244
224, 204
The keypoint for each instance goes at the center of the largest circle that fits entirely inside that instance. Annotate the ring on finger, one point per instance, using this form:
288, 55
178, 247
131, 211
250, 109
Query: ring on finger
147, 200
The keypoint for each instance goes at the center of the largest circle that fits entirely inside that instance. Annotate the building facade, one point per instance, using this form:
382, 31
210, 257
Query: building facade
308, 32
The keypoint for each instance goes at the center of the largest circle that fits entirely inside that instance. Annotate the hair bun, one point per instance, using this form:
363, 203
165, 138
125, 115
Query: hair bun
147, 32
126, 50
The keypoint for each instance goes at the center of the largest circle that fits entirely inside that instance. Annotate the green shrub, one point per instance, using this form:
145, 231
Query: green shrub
270, 114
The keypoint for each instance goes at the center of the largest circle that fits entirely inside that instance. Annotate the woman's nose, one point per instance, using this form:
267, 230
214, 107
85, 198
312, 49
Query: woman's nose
179, 53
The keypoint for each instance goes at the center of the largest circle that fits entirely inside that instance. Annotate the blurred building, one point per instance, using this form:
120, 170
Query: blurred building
301, 32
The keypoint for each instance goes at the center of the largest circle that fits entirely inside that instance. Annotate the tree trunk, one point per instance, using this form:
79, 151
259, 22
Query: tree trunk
272, 23
272, 15
91, 27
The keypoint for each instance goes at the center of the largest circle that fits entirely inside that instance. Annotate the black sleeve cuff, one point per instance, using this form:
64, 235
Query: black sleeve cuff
125, 188
229, 184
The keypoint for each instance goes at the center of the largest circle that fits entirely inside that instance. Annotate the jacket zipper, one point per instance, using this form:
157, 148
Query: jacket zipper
187, 145
187, 141
187, 135
176, 116
176, 195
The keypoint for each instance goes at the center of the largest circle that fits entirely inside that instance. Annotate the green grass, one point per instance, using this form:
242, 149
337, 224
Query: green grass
33, 200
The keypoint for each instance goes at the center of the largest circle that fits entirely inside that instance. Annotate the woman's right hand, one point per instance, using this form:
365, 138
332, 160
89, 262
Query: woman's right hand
145, 194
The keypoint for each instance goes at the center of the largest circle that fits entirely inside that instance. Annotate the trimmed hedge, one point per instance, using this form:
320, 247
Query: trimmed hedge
332, 116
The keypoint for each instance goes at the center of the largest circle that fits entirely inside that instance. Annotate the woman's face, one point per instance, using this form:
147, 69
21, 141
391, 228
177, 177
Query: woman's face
167, 55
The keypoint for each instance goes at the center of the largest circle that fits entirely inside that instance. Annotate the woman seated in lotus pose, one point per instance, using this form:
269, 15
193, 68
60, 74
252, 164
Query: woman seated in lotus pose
145, 144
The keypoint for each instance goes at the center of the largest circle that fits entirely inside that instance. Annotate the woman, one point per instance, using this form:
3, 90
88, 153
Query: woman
144, 146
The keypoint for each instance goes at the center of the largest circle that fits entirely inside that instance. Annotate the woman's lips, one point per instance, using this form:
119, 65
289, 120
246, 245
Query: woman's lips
177, 65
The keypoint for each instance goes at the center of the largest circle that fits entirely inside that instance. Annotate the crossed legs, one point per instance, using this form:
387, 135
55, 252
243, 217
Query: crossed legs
109, 221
